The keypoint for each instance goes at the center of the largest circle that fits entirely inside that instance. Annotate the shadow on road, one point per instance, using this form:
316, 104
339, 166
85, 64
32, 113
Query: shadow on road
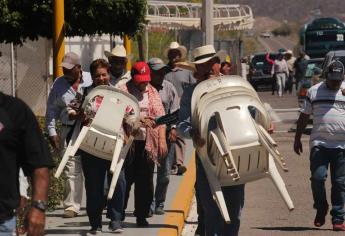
68, 231
288, 229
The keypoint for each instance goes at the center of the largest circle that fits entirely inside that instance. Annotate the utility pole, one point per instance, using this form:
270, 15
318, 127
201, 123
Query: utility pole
128, 46
58, 37
207, 21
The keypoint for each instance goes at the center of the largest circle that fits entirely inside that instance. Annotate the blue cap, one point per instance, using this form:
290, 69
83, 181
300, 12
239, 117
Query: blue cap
156, 63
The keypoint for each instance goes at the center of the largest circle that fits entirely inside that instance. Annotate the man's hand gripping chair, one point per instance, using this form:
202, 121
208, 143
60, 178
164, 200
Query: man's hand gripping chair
104, 136
232, 120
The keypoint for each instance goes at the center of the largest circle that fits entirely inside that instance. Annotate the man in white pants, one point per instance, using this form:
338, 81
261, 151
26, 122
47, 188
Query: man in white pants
64, 90
280, 71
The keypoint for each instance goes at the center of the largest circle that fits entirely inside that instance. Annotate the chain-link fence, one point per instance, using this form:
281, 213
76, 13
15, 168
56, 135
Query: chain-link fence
5, 68
28, 73
32, 66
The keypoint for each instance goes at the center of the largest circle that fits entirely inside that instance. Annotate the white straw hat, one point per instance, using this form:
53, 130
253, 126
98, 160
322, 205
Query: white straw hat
177, 46
207, 52
118, 51
201, 55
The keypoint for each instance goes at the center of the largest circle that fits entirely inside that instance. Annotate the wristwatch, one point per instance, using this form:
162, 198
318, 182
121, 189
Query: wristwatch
40, 205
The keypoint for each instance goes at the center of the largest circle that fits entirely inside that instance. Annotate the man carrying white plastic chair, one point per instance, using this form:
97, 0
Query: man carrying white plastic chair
228, 124
207, 66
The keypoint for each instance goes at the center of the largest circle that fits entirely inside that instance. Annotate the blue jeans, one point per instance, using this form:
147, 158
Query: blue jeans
163, 176
95, 171
320, 159
214, 224
8, 228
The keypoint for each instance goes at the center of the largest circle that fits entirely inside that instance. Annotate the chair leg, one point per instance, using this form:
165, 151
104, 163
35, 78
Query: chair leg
216, 191
270, 145
116, 154
118, 166
279, 183
219, 198
71, 150
115, 176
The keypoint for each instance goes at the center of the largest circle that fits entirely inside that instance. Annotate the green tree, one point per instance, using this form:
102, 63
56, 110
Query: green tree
27, 19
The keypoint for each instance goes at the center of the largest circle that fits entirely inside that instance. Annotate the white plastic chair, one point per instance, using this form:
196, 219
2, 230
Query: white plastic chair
238, 148
103, 137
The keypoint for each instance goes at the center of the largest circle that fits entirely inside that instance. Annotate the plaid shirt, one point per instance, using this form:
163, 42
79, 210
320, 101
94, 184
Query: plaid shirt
155, 109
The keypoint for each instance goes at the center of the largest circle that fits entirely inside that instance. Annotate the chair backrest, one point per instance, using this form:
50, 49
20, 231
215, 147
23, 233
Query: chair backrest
233, 82
110, 114
228, 111
105, 133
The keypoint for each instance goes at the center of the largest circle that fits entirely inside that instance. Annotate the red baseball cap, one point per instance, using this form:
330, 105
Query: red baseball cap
141, 72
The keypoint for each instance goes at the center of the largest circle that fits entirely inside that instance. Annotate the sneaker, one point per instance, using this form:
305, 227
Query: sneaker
320, 217
181, 169
338, 227
159, 210
96, 231
69, 214
142, 222
173, 170
115, 226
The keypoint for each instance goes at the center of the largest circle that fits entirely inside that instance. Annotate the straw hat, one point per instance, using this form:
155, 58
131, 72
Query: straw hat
201, 55
177, 46
118, 51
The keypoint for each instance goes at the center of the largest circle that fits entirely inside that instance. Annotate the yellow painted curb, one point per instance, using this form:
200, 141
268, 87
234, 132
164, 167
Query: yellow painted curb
175, 217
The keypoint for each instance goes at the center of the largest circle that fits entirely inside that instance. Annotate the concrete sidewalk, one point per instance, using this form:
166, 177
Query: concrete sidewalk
180, 193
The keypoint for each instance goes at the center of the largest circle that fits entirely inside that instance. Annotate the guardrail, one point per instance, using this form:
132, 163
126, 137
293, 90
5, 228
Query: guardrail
184, 15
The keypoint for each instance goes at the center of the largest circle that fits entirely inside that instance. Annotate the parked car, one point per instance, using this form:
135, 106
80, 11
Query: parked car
266, 35
260, 71
311, 77
331, 56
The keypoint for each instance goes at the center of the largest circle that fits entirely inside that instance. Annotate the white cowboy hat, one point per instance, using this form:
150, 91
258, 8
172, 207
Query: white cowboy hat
118, 51
177, 46
289, 52
201, 55
207, 52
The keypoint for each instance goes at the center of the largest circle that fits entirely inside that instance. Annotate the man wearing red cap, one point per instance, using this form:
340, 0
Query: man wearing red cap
148, 145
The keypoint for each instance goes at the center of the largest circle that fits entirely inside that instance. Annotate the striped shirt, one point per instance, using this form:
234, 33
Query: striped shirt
328, 110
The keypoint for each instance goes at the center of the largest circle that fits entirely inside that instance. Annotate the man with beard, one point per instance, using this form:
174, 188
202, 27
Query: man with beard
181, 79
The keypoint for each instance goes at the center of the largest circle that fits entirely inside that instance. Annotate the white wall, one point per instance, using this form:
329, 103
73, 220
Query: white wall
89, 48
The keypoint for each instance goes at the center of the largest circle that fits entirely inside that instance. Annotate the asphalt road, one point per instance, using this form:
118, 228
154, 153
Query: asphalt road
265, 212
273, 44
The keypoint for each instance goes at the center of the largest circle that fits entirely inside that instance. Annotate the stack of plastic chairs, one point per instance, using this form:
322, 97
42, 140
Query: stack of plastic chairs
232, 120
104, 136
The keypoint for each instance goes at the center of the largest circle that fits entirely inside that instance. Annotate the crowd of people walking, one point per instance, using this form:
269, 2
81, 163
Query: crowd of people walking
160, 89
